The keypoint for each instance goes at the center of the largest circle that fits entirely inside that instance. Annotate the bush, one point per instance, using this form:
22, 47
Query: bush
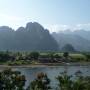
78, 83
11, 80
34, 55
40, 83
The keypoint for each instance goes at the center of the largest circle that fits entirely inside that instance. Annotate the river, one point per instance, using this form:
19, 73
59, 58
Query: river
52, 72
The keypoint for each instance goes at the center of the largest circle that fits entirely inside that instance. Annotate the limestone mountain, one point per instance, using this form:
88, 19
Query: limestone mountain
33, 37
80, 43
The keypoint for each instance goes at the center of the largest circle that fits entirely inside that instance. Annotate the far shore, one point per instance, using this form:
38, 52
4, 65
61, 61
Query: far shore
46, 65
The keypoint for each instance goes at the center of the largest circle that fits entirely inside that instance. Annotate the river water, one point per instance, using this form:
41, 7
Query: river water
52, 72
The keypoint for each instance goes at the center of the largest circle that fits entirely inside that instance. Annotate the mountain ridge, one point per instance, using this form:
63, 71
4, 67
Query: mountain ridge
32, 37
77, 40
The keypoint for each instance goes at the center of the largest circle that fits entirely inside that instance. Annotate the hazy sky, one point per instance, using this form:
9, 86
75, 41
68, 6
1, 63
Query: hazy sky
52, 14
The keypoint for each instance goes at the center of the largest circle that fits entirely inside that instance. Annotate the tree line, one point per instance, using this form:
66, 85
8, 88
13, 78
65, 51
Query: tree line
47, 57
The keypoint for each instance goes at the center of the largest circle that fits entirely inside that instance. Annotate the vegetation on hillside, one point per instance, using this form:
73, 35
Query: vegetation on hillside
33, 37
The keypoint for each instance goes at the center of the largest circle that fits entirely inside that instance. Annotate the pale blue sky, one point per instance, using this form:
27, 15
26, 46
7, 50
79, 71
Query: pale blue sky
52, 14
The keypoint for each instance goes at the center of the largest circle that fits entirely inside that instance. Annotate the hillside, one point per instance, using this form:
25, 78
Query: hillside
33, 37
75, 39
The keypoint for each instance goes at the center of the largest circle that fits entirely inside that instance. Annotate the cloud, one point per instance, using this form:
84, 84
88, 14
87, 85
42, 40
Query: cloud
83, 26
17, 21
57, 27
61, 27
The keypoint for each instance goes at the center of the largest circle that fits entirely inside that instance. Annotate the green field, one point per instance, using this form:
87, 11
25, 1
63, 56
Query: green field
24, 58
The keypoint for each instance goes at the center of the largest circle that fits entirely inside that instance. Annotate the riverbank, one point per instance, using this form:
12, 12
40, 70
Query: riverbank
46, 65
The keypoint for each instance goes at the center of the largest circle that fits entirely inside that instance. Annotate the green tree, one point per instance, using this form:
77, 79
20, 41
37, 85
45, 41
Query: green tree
11, 80
80, 82
68, 48
65, 54
40, 83
34, 55
4, 56
65, 82
87, 55
51, 55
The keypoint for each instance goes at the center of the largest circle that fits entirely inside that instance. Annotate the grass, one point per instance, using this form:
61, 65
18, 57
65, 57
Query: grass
75, 57
78, 57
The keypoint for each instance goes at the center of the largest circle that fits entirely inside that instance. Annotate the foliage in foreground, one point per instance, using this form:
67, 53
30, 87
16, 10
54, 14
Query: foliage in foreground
40, 83
13, 80
78, 82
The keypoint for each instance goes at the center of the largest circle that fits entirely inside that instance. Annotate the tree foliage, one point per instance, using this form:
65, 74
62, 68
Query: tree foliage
11, 80
14, 80
40, 83
68, 48
67, 82
34, 55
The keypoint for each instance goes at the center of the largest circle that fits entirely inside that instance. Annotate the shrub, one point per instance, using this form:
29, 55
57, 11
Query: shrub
11, 80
